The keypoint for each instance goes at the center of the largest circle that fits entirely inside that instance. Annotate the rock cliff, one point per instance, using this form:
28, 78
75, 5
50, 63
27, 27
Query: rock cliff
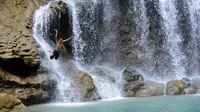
19, 57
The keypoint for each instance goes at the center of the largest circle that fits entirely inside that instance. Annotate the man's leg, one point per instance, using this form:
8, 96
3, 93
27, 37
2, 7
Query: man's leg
52, 54
51, 57
57, 55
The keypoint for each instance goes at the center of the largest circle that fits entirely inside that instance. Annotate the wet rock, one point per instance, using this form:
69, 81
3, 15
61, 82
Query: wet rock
99, 71
186, 82
131, 75
134, 81
191, 89
130, 89
9, 103
135, 86
150, 89
31, 90
198, 91
175, 87
196, 81
103, 73
84, 81
179, 87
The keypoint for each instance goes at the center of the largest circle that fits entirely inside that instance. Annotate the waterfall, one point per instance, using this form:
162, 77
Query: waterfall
169, 15
57, 69
160, 38
86, 30
194, 10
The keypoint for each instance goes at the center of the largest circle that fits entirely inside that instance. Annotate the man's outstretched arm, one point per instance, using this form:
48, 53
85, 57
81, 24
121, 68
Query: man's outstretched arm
67, 39
56, 36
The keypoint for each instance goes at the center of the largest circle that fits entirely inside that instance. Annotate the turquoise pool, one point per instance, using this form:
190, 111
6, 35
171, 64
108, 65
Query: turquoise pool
150, 104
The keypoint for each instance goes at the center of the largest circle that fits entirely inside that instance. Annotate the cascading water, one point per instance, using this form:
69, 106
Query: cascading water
57, 69
85, 24
169, 15
159, 37
194, 10
66, 92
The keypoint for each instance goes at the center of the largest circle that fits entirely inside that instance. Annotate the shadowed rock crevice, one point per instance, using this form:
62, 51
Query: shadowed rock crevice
17, 67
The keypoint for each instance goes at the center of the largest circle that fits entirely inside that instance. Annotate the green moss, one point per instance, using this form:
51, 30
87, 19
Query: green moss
87, 80
178, 83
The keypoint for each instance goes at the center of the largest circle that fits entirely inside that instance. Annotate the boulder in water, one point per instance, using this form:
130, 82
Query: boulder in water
179, 87
191, 90
150, 89
135, 86
130, 89
10, 103
175, 87
85, 82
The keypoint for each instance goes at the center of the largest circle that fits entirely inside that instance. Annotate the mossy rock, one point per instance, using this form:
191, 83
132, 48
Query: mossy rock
84, 81
175, 87
10, 103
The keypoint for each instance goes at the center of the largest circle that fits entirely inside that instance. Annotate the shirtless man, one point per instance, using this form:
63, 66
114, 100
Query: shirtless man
59, 46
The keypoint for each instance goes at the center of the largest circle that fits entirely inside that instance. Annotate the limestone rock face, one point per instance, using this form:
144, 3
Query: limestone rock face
9, 103
17, 48
19, 58
31, 90
85, 82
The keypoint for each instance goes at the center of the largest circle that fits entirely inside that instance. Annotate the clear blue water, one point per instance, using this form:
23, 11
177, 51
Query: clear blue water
151, 104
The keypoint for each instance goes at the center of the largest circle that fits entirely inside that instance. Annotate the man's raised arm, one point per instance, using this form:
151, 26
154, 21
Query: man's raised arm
67, 39
56, 36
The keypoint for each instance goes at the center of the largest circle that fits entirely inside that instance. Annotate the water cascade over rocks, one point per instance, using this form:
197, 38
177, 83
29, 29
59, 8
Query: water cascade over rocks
158, 38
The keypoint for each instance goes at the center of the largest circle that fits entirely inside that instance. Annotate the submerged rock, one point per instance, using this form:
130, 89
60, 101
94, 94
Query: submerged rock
85, 82
9, 103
